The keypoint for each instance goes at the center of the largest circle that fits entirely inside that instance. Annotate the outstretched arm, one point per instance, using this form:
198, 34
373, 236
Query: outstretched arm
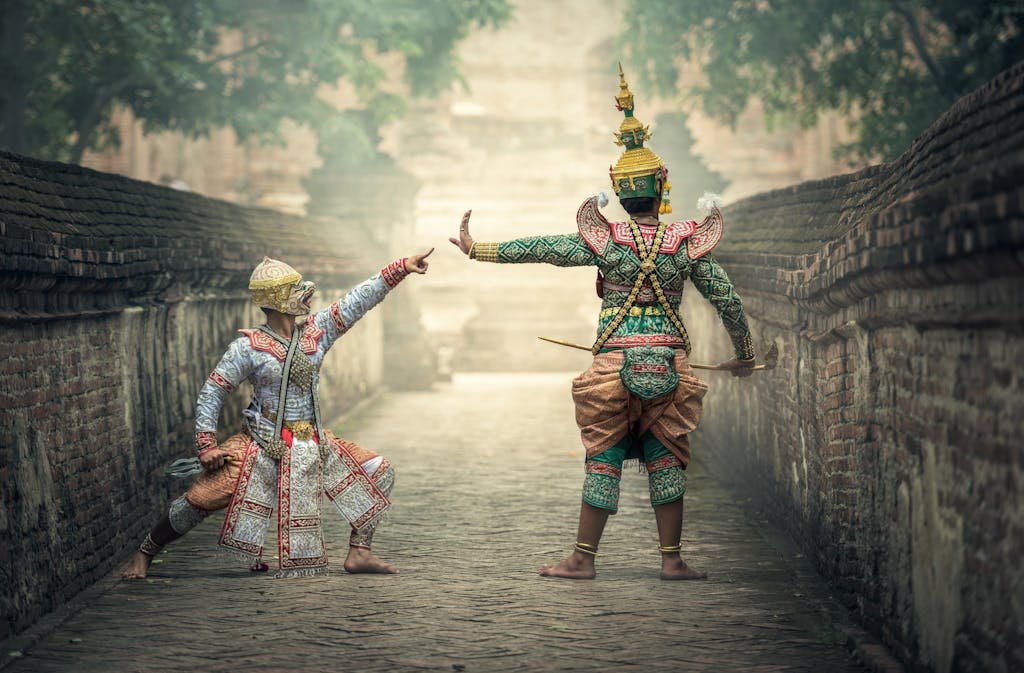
556, 249
712, 282
339, 317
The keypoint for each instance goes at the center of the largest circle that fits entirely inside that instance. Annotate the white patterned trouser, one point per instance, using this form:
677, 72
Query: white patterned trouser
363, 537
185, 516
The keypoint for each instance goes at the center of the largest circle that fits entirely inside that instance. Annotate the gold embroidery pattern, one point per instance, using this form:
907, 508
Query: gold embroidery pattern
747, 346
302, 372
634, 311
484, 252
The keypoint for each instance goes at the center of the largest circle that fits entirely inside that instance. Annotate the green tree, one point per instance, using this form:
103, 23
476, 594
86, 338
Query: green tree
194, 65
689, 175
892, 65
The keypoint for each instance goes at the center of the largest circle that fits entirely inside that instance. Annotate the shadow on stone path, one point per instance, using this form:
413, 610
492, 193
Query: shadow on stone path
489, 476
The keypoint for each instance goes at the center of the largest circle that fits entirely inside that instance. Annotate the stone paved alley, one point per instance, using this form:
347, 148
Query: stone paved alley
489, 475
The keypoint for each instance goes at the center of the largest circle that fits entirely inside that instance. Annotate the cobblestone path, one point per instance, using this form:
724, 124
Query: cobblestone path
489, 475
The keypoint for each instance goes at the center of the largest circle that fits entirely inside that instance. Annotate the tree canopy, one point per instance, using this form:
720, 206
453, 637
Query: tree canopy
892, 65
194, 65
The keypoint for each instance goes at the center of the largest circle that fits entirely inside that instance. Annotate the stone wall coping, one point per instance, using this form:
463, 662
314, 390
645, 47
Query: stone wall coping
75, 240
953, 203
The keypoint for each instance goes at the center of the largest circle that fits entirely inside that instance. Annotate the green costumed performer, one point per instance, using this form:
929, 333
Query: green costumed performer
639, 398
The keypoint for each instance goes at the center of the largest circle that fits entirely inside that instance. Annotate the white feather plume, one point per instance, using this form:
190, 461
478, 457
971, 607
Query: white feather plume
708, 202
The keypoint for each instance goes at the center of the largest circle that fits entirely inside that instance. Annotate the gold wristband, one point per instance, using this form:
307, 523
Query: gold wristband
747, 346
484, 252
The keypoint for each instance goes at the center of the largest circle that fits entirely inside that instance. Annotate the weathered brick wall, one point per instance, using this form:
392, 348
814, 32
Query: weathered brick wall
116, 299
889, 437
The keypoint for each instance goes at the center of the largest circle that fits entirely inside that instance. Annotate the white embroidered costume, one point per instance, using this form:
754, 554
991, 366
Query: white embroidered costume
285, 456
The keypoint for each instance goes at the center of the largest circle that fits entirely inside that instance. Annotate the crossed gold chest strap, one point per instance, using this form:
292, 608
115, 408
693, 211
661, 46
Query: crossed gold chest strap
647, 271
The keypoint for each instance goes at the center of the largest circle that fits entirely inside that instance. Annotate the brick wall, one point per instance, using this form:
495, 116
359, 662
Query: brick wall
889, 437
116, 299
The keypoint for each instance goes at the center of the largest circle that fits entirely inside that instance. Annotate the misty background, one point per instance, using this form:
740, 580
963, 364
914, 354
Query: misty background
502, 106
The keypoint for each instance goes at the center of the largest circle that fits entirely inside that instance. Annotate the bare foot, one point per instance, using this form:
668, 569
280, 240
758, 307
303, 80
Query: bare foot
674, 568
362, 560
576, 566
137, 568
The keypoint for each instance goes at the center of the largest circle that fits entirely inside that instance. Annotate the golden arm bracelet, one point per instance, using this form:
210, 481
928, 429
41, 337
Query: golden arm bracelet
747, 346
484, 252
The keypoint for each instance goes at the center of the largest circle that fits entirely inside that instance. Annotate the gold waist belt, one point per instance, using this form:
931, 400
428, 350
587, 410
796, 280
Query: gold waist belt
634, 311
300, 429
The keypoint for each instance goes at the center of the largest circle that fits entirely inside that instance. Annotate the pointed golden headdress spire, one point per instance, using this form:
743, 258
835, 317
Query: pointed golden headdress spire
624, 101
639, 172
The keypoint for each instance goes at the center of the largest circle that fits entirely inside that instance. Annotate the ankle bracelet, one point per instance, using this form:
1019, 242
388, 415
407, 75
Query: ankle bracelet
588, 549
149, 547
359, 546
670, 550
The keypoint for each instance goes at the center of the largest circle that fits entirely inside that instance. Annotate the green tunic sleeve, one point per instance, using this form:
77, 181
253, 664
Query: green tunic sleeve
556, 249
711, 281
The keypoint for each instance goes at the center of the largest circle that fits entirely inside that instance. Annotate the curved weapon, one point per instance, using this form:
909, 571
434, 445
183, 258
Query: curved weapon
186, 467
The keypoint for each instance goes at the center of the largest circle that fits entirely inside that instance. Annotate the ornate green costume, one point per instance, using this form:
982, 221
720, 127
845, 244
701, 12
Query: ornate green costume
656, 427
646, 322
639, 398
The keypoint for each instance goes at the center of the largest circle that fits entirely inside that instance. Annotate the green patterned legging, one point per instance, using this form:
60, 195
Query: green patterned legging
665, 473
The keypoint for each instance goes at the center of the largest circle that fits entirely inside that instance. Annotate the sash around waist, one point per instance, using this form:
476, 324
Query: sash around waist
637, 340
608, 285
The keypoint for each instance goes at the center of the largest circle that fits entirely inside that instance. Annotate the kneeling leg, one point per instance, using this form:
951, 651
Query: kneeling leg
211, 492
360, 559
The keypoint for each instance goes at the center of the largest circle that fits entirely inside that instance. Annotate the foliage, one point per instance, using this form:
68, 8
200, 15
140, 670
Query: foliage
689, 175
194, 65
892, 65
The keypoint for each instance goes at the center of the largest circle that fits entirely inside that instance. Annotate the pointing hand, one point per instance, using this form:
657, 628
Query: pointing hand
418, 263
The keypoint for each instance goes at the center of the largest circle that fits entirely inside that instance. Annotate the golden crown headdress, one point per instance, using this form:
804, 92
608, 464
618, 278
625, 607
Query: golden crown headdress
271, 283
639, 172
